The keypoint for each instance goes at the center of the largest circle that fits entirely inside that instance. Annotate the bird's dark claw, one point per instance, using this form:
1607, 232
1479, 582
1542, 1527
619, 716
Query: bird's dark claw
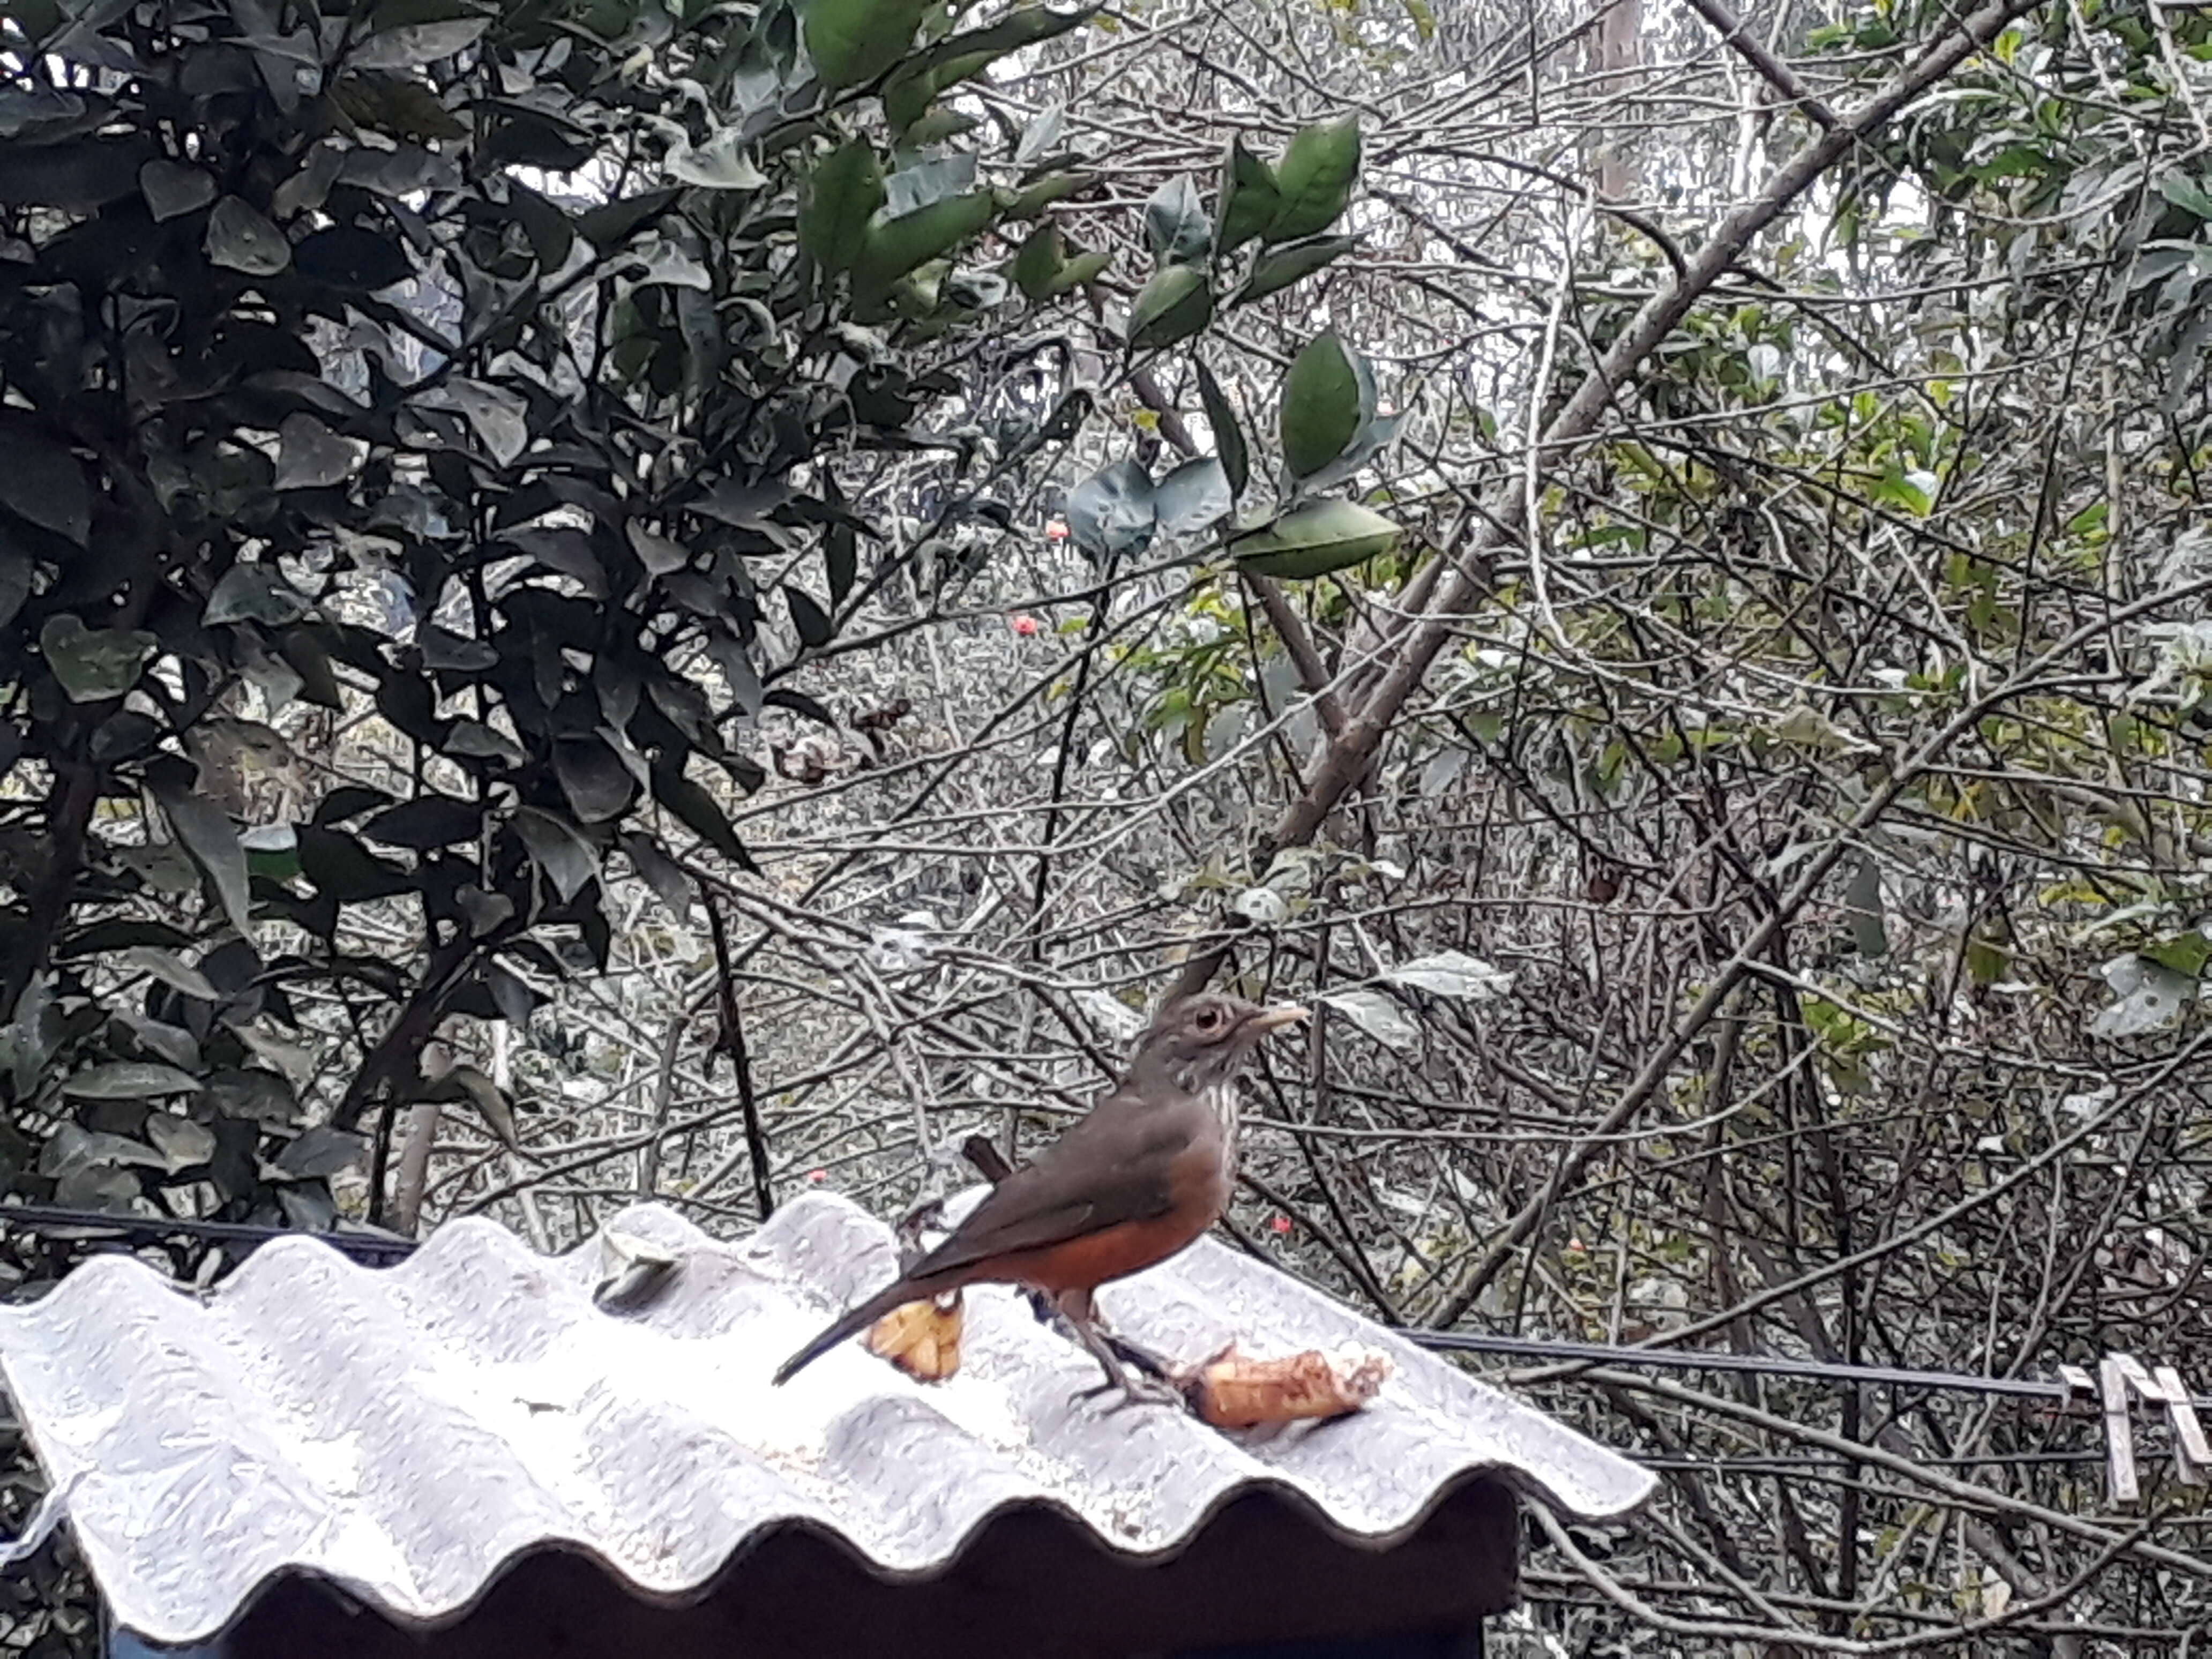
1137, 1390
1151, 1391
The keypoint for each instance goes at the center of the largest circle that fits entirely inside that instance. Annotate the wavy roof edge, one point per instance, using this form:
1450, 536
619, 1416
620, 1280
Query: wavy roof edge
264, 1411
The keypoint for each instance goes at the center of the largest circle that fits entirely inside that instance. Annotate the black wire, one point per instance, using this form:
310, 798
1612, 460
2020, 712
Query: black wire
1835, 1463
50, 1220
1758, 1364
1701, 1359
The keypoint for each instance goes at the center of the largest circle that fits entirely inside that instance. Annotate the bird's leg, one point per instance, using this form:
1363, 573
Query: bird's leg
1131, 1353
1147, 1389
1047, 1312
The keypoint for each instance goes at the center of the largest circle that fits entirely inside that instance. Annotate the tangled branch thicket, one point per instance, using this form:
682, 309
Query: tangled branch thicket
1815, 785
1748, 848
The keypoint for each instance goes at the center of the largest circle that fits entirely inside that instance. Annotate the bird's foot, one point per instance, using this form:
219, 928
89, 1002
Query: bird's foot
1137, 1389
1140, 1379
1131, 1354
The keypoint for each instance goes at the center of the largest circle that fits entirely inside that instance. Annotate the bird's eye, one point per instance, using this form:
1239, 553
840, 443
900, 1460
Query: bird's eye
1209, 1018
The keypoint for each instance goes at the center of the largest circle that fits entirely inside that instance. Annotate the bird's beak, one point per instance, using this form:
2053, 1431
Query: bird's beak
1282, 1014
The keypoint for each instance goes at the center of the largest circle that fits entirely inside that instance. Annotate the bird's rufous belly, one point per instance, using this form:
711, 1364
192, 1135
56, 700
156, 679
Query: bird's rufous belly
1094, 1259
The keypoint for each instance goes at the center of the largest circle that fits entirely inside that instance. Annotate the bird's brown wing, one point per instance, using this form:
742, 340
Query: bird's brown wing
1115, 1165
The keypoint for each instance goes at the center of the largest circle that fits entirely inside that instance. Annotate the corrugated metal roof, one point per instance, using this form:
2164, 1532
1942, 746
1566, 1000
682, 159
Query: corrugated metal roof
406, 1431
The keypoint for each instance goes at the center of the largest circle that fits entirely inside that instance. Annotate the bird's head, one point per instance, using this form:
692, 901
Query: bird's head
1203, 1041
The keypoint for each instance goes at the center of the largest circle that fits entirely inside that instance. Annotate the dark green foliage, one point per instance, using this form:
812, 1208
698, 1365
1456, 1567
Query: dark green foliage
296, 317
1328, 418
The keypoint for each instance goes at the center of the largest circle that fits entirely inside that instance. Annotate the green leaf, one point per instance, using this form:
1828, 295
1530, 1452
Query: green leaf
853, 41
1375, 435
2185, 952
696, 810
808, 617
349, 800
658, 554
347, 872
1028, 26
403, 108
257, 1095
938, 126
210, 840
253, 592
172, 190
355, 260
272, 850
414, 45
28, 1042
170, 969
92, 665
79, 176
558, 849
721, 163
1055, 187
841, 560
1112, 513
1278, 270
320, 1152
616, 222
907, 98
14, 588
1912, 491
1319, 414
2150, 997
946, 64
2186, 193
129, 1080
310, 456
399, 174
1039, 137
183, 1144
1314, 180
42, 483
596, 783
1193, 497
1176, 228
1037, 261
239, 238
1074, 273
659, 873
1314, 540
474, 741
431, 821
1174, 305
1453, 974
917, 184
445, 651
1377, 1016
38, 19
1228, 435
1250, 200
842, 194
894, 247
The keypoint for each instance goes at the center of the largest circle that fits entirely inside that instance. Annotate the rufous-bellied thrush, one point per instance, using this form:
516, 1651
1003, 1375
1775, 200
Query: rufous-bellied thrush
1145, 1172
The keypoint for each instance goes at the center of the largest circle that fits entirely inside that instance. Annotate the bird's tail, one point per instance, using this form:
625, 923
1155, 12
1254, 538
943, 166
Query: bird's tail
855, 1320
